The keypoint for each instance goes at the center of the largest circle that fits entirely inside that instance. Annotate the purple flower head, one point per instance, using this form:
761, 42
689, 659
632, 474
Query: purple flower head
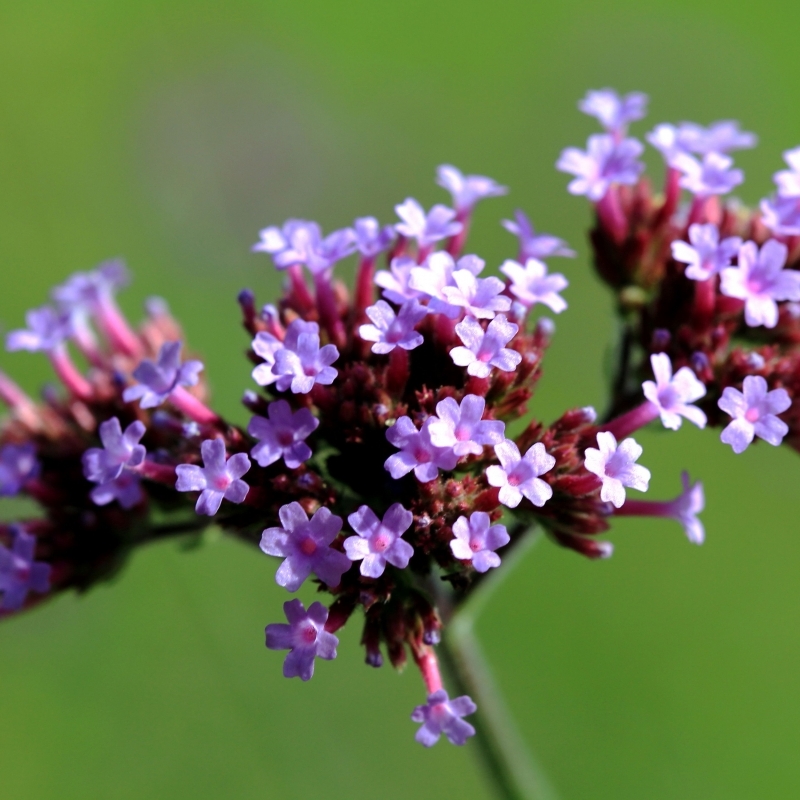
282, 435
788, 180
19, 573
304, 637
417, 452
531, 284
687, 506
437, 274
390, 330
216, 480
712, 176
395, 281
370, 237
706, 255
754, 413
613, 111
781, 215
486, 349
119, 450
476, 540
604, 163
673, 394
461, 427
760, 280
532, 245
125, 489
615, 466
158, 380
440, 715
479, 297
305, 547
518, 475
334, 247
301, 242
428, 228
379, 541
467, 189
301, 362
664, 138
18, 464
47, 329
719, 137
266, 345
86, 291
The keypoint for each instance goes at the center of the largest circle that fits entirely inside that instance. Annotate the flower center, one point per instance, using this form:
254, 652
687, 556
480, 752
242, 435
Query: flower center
309, 371
485, 355
752, 415
308, 546
463, 433
221, 482
308, 634
668, 397
514, 479
422, 456
380, 543
475, 545
285, 438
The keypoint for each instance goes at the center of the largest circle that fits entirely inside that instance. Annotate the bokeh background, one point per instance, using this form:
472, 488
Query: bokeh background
169, 133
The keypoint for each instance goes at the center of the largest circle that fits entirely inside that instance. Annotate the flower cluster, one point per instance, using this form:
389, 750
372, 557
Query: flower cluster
378, 462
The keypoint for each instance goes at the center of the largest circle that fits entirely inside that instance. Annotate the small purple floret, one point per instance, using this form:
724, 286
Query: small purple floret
119, 450
479, 297
301, 363
706, 256
467, 190
379, 541
461, 427
615, 466
389, 330
603, 163
713, 176
674, 394
719, 137
158, 380
86, 292
754, 413
531, 284
613, 111
486, 349
282, 435
18, 465
47, 330
437, 274
301, 242
476, 539
533, 245
417, 452
395, 281
518, 475
19, 573
370, 237
440, 715
439, 223
687, 506
125, 489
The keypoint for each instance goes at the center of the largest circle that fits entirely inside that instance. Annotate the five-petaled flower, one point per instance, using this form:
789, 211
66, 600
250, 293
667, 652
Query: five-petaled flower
440, 715
615, 466
484, 349
467, 189
461, 427
417, 451
427, 229
395, 281
479, 297
673, 394
719, 137
119, 450
533, 245
612, 111
754, 413
713, 176
18, 464
20, 573
157, 380
379, 541
282, 434
518, 476
389, 329
476, 539
370, 237
438, 274
218, 479
706, 256
531, 284
47, 330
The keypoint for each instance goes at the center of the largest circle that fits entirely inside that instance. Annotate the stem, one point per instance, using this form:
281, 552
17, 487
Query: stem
512, 770
632, 420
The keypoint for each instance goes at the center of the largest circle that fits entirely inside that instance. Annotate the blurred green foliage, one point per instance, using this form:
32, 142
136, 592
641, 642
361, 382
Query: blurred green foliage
170, 132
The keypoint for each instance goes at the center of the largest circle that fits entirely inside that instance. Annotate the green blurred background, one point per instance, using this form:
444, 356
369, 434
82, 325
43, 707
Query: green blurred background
169, 133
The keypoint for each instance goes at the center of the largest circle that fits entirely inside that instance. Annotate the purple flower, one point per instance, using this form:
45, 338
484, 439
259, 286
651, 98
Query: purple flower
615, 466
304, 637
664, 138
531, 284
301, 242
370, 238
686, 507
486, 349
87, 291
760, 280
305, 547
782, 215
788, 180
673, 394
417, 452
428, 228
604, 163
713, 176
119, 450
282, 435
125, 489
532, 245
18, 464
266, 345
467, 189
461, 427
301, 362
216, 480
479, 297
19, 573
440, 715
390, 330
437, 274
719, 137
477, 539
379, 542
519, 475
754, 413
706, 256
395, 281
47, 329
158, 380
612, 111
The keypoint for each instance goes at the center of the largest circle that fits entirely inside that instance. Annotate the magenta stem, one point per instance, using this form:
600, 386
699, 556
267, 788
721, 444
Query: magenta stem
456, 243
11, 394
429, 667
365, 288
672, 190
631, 421
423, 252
116, 327
299, 288
326, 307
193, 408
160, 473
611, 216
697, 213
705, 298
68, 374
644, 508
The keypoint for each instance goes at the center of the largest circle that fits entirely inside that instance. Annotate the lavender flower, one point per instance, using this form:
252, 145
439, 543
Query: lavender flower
19, 573
531, 284
440, 715
719, 137
125, 489
282, 435
218, 479
479, 297
266, 345
390, 330
532, 245
754, 413
706, 256
301, 362
485, 349
158, 380
760, 280
518, 475
417, 452
615, 466
712, 176
605, 162
782, 215
18, 465
437, 274
477, 539
370, 237
686, 507
120, 450
85, 292
612, 111
461, 427
673, 394
467, 189
665, 139
428, 228
304, 637
301, 242
788, 180
395, 282
305, 547
379, 542
47, 330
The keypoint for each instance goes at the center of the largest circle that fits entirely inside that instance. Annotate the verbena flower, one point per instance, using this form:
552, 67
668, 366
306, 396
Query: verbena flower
603, 163
389, 329
370, 237
467, 189
615, 465
417, 452
427, 229
531, 284
476, 539
533, 245
754, 413
518, 476
20, 573
379, 542
18, 464
714, 175
706, 256
119, 450
440, 715
461, 427
613, 111
218, 479
47, 329
674, 395
282, 434
484, 349
157, 380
